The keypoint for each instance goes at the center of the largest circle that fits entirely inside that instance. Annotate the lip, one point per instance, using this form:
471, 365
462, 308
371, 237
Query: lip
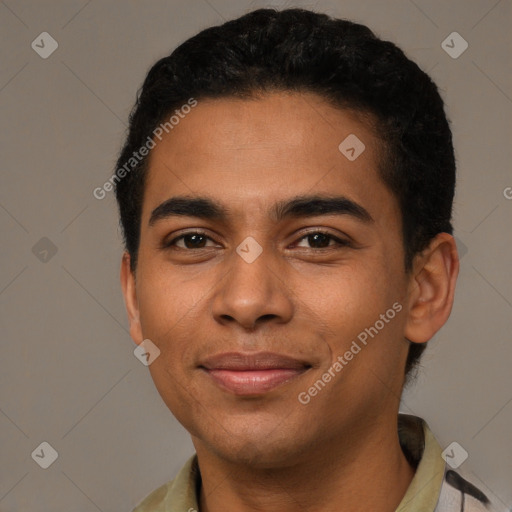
252, 374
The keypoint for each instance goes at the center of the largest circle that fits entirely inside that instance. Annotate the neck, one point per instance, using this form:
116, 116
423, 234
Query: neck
365, 470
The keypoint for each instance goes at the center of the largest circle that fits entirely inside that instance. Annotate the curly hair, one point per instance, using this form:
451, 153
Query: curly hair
339, 60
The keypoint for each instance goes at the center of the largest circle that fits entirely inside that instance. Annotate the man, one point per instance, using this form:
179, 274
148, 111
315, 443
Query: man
285, 192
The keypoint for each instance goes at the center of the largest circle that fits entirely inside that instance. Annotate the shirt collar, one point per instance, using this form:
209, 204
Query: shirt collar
422, 450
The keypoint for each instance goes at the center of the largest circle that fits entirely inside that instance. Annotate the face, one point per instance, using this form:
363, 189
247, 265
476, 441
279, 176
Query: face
269, 259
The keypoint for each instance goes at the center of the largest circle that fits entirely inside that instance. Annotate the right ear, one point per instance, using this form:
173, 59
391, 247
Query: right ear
130, 299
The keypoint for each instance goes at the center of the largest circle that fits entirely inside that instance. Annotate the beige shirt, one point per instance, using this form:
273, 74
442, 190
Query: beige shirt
435, 487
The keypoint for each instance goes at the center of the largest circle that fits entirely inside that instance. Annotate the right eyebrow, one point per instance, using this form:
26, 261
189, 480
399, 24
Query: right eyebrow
200, 207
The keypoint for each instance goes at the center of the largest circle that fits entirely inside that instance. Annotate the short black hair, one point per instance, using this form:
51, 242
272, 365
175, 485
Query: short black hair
343, 62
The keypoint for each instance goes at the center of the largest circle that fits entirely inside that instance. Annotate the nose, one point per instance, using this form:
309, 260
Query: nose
252, 293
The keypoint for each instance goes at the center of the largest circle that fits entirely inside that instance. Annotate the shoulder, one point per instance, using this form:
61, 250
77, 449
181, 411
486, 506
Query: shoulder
154, 502
178, 494
459, 494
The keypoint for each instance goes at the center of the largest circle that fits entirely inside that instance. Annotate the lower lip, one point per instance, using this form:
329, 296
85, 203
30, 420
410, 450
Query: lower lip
253, 382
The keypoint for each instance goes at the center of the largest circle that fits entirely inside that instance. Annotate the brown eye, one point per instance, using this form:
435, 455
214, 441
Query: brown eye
321, 240
192, 240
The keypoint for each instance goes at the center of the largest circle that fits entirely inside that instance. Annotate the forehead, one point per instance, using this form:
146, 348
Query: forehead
251, 153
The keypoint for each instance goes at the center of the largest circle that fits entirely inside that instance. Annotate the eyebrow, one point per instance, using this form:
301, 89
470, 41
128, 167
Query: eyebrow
297, 207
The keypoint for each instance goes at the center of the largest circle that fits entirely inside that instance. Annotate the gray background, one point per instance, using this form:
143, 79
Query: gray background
68, 375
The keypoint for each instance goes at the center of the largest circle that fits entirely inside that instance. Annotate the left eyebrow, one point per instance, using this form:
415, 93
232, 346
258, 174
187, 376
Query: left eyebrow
312, 206
297, 207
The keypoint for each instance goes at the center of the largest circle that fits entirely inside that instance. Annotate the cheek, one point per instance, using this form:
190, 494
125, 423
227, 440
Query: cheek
167, 297
348, 305
168, 310
351, 294
174, 314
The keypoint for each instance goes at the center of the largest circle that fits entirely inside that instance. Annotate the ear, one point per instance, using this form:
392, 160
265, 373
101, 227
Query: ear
130, 299
432, 288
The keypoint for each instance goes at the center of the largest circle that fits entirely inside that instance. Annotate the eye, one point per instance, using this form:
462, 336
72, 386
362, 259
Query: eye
190, 240
322, 240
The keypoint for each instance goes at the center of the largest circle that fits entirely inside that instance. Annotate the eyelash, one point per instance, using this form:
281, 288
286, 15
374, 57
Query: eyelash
339, 242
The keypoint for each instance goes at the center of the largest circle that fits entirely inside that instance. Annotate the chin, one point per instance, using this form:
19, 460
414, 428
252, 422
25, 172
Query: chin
258, 456
258, 447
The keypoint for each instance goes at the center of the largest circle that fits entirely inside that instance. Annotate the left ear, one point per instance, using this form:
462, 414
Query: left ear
432, 288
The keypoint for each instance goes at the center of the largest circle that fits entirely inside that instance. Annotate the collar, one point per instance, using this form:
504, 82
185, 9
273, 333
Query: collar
423, 451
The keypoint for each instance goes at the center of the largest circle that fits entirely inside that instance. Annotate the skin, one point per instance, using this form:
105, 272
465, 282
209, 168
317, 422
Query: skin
270, 452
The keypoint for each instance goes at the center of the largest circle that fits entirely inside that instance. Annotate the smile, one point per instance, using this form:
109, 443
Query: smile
252, 374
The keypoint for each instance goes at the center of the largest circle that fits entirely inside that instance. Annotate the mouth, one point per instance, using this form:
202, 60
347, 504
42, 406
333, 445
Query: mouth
252, 374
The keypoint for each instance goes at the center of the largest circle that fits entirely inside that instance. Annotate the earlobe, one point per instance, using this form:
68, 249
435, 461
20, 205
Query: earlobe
130, 299
432, 288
